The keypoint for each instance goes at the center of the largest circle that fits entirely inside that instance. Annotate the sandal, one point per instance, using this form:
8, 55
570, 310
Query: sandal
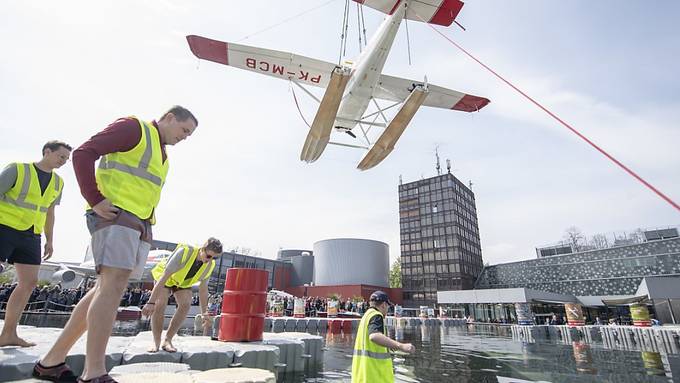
59, 373
106, 378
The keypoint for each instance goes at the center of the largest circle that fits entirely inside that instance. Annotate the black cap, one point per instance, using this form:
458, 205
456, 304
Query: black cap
380, 296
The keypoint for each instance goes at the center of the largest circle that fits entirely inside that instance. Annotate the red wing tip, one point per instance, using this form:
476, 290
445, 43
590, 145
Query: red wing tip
471, 103
208, 49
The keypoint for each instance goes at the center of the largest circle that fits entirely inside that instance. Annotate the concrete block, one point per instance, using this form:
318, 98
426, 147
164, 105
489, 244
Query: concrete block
268, 322
234, 375
290, 352
291, 323
313, 345
137, 351
202, 353
323, 325
115, 349
279, 325
17, 363
157, 367
312, 325
255, 355
301, 324
146, 377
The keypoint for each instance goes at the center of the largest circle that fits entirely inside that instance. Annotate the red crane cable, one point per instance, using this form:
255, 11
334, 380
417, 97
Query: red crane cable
591, 143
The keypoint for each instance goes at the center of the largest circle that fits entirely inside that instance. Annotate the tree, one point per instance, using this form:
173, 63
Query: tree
574, 237
599, 241
395, 274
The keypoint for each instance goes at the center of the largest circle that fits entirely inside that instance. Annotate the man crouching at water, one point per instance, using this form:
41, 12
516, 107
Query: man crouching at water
175, 275
372, 362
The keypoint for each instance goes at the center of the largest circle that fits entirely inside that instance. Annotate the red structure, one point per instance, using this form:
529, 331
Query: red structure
345, 291
243, 305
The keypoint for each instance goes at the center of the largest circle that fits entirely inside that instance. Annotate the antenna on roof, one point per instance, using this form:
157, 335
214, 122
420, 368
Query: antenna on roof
400, 181
470, 183
439, 168
448, 165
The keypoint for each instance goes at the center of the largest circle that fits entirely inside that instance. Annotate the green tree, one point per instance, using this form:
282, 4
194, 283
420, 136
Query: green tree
395, 274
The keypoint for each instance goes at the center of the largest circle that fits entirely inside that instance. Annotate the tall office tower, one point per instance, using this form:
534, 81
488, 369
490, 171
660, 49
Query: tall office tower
440, 248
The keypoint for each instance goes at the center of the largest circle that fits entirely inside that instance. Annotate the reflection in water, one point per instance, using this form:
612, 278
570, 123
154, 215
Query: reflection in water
489, 354
653, 363
583, 358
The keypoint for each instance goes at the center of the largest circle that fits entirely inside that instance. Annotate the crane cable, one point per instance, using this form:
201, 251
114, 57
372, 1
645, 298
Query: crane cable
551, 114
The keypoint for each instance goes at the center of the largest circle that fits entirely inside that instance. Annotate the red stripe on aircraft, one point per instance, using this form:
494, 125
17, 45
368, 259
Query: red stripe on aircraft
395, 7
208, 49
447, 12
470, 103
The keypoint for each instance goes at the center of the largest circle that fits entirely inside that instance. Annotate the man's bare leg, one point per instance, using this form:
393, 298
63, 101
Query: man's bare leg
27, 280
183, 298
74, 329
157, 319
100, 318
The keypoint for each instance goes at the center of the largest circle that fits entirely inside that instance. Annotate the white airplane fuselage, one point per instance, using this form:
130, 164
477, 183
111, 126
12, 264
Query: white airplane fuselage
367, 69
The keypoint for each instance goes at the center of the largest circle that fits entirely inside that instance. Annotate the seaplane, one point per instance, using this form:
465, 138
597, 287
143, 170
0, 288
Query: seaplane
352, 86
67, 272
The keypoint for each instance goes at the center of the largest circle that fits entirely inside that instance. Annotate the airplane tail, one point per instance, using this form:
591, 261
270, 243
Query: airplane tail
440, 12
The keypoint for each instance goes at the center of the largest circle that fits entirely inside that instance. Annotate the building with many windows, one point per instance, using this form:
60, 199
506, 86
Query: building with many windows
440, 246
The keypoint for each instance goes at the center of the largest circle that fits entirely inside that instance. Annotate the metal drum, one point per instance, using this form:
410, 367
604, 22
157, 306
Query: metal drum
243, 305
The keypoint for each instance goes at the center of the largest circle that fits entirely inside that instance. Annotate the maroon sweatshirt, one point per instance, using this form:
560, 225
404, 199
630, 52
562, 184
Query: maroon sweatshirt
122, 135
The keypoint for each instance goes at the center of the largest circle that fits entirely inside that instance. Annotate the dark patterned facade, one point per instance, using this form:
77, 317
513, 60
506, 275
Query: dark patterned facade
440, 247
613, 271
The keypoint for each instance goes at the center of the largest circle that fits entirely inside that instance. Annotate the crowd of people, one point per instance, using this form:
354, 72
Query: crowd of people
47, 297
56, 298
315, 305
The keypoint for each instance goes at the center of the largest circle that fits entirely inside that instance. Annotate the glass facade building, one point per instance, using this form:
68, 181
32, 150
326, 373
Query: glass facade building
440, 246
613, 271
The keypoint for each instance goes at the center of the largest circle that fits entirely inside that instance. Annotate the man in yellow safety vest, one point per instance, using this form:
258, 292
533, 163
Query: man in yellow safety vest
372, 361
187, 266
28, 195
123, 194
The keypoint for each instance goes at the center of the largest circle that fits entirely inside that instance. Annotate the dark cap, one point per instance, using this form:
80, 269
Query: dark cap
381, 296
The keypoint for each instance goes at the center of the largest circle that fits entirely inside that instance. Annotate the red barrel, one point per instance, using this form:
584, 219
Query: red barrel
243, 305
335, 325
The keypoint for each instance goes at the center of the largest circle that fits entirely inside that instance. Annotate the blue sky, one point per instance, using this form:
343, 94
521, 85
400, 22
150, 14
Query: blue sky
607, 67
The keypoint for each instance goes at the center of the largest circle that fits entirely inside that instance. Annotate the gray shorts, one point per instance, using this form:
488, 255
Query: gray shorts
123, 242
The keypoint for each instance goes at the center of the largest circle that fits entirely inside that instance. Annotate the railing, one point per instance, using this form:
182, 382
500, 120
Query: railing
42, 306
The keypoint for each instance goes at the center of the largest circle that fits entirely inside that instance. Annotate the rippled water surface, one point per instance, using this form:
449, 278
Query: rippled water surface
489, 354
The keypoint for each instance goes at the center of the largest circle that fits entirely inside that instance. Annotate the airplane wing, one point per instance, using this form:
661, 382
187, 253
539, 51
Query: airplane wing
80, 269
398, 89
273, 63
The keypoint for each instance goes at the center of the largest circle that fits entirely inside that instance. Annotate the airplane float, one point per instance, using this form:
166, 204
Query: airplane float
351, 87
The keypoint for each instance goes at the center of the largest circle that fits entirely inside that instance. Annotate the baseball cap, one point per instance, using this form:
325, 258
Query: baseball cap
381, 296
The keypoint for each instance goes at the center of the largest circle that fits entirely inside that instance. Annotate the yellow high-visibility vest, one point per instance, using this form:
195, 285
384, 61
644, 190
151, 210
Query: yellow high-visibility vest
371, 363
178, 279
133, 180
24, 205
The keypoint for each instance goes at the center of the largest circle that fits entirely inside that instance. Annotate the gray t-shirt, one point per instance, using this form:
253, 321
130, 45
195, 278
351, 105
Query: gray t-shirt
8, 178
175, 263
